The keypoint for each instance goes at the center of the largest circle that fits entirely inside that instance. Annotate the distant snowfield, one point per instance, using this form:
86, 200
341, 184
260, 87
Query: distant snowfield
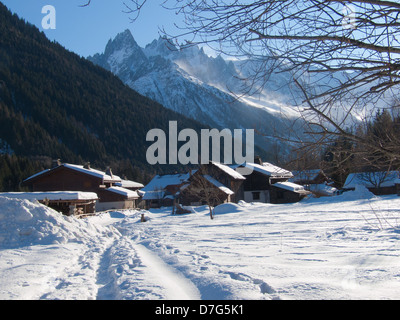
345, 247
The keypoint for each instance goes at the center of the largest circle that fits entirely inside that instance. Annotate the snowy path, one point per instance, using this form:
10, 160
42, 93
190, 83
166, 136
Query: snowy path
108, 266
131, 271
173, 283
322, 249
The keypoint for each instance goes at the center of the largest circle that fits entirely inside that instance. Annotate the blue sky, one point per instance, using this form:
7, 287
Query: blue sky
87, 30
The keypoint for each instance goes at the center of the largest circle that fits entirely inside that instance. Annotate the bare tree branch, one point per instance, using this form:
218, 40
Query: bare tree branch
342, 55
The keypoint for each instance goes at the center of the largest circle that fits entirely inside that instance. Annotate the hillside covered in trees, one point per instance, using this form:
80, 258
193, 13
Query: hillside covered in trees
57, 105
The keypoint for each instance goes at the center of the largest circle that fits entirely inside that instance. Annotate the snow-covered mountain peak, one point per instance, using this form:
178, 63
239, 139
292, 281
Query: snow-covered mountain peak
121, 53
193, 61
161, 47
123, 39
123, 42
196, 85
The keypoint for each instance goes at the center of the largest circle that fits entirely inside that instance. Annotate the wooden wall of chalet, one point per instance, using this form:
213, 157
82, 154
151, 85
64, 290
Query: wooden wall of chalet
256, 181
65, 179
81, 207
173, 188
259, 181
235, 185
187, 197
279, 196
219, 175
108, 196
383, 190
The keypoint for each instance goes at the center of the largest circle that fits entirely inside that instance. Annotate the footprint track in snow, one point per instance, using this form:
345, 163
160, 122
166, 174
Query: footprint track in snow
175, 284
265, 288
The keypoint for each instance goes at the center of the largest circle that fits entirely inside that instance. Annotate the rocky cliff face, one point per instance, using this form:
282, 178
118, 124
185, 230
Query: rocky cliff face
201, 87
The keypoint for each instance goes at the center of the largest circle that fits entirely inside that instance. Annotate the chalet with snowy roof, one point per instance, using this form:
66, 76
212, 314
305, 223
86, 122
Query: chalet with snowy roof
220, 181
379, 183
228, 177
67, 202
168, 190
162, 190
315, 181
194, 192
71, 177
128, 184
307, 177
270, 184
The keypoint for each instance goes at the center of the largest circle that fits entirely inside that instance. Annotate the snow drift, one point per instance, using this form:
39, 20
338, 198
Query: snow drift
26, 223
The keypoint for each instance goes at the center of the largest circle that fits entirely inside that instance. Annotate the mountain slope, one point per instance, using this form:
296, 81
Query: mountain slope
56, 104
198, 86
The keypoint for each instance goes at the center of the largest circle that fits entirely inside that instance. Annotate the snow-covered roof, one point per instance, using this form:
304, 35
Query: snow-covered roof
92, 172
234, 174
153, 195
55, 195
289, 186
125, 192
129, 184
183, 187
159, 183
267, 169
219, 185
37, 174
371, 179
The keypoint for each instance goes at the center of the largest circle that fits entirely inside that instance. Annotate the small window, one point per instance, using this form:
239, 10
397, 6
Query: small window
256, 196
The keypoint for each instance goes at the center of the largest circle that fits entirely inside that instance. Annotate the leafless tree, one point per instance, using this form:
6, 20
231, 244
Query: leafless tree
304, 37
342, 55
376, 179
202, 190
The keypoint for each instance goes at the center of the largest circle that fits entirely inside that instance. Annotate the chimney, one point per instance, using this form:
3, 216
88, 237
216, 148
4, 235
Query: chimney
257, 160
55, 163
87, 165
109, 172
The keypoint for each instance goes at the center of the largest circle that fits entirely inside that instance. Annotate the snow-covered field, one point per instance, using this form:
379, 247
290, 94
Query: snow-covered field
346, 247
